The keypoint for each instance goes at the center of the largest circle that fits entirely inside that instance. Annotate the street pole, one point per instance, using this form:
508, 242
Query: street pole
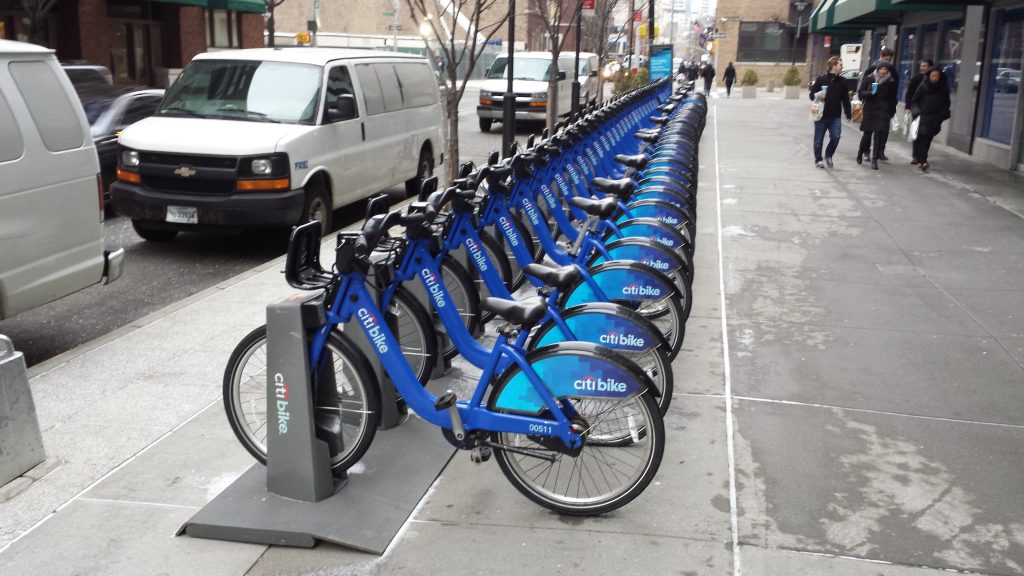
394, 27
508, 110
799, 24
576, 74
632, 47
650, 31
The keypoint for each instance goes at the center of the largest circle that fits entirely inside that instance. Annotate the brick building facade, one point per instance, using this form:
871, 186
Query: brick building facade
761, 35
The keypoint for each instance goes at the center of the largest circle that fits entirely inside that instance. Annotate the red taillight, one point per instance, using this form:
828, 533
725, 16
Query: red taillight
99, 194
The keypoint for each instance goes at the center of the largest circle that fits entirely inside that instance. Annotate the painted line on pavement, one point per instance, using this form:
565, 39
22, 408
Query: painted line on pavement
737, 564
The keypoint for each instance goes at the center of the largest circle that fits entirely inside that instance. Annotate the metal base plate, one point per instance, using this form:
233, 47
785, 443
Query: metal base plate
366, 514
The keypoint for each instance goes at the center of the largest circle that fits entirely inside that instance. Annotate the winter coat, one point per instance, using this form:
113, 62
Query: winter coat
931, 103
912, 85
708, 72
730, 74
879, 107
837, 100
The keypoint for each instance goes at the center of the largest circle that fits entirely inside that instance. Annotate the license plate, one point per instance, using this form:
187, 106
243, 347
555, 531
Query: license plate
182, 214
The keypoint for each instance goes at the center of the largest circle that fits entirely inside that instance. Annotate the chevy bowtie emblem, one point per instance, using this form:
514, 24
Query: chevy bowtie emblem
185, 171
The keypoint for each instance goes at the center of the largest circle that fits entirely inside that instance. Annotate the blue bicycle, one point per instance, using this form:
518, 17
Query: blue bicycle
555, 418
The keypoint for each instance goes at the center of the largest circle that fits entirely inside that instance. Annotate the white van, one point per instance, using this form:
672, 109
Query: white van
588, 77
273, 137
531, 70
51, 202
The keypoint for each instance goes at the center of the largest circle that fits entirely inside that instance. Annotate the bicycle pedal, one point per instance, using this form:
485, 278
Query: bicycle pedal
480, 454
445, 401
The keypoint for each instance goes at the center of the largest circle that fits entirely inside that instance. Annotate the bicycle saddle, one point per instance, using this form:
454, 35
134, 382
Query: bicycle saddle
559, 276
662, 120
638, 161
603, 208
648, 136
622, 188
524, 313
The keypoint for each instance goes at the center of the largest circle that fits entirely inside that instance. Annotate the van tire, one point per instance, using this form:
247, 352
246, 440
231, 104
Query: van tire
485, 124
424, 168
151, 234
318, 206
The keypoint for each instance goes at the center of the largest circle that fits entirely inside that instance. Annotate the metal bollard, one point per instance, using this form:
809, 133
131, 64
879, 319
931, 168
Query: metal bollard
21, 444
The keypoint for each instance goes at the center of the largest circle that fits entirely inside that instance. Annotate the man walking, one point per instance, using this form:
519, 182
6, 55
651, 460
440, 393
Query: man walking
708, 73
830, 87
729, 77
887, 56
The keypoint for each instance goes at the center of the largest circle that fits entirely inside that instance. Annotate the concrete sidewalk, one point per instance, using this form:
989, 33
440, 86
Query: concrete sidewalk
854, 409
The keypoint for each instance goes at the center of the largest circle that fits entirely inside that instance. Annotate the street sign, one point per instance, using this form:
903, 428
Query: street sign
388, 14
394, 27
589, 7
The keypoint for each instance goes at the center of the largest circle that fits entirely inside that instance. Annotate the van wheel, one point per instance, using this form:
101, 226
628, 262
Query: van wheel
318, 207
152, 234
485, 124
424, 168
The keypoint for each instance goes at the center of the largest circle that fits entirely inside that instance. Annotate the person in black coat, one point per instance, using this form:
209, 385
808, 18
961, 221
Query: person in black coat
831, 88
886, 56
707, 72
931, 105
730, 78
880, 98
923, 67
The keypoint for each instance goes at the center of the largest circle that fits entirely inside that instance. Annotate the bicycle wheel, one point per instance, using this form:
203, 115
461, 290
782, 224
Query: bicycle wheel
354, 396
499, 260
415, 333
463, 293
606, 474
518, 276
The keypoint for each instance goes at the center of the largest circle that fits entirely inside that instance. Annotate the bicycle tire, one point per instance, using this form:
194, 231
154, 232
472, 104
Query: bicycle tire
463, 292
245, 389
616, 471
415, 333
497, 257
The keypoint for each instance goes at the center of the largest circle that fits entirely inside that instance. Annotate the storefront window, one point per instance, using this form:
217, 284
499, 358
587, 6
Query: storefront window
907, 56
949, 51
769, 42
223, 30
930, 41
1003, 88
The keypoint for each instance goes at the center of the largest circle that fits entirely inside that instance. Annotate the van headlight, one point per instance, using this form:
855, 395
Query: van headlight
262, 167
130, 158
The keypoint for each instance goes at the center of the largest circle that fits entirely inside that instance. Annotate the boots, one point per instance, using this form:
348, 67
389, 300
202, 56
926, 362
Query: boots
860, 157
874, 162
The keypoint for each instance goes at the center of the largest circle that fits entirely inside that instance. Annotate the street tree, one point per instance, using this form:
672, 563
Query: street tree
596, 33
271, 6
553, 15
459, 31
37, 12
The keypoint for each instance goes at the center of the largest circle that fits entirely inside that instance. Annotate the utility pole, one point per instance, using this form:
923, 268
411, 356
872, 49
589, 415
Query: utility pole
650, 31
799, 5
632, 13
394, 27
508, 101
575, 108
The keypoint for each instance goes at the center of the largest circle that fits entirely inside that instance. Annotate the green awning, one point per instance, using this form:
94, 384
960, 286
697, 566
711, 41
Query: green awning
250, 6
837, 16
200, 3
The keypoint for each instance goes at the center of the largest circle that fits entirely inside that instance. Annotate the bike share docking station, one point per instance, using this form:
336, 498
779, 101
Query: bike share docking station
295, 500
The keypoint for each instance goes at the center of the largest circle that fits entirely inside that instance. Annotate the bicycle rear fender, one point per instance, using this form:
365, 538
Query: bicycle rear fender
655, 230
644, 251
578, 369
661, 211
621, 280
676, 199
604, 323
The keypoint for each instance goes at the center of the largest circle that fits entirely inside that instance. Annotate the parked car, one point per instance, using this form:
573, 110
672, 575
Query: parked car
51, 216
115, 112
1007, 80
83, 74
610, 69
264, 137
588, 76
532, 71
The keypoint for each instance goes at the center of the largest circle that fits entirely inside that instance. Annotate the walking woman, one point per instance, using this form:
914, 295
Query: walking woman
830, 88
931, 104
879, 96
730, 78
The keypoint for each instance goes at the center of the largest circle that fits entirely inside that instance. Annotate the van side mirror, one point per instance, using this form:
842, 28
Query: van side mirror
593, 73
561, 74
344, 108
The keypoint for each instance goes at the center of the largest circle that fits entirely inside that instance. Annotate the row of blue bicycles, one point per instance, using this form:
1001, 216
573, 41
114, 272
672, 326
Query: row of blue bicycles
577, 248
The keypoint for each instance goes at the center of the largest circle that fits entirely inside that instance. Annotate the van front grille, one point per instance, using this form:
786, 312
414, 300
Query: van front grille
188, 185
154, 158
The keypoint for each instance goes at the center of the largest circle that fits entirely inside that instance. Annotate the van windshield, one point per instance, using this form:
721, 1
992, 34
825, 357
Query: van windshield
247, 90
524, 69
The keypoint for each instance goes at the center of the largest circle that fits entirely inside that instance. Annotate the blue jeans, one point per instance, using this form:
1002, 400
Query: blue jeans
835, 128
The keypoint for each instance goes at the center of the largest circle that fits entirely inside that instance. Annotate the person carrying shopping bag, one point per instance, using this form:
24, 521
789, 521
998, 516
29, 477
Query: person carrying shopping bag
929, 107
879, 96
830, 88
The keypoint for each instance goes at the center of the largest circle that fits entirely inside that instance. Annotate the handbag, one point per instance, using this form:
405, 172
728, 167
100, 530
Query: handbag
914, 125
856, 110
817, 110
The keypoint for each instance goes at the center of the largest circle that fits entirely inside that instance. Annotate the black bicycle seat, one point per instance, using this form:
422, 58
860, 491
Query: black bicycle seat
602, 208
662, 120
524, 313
559, 277
621, 188
638, 161
648, 136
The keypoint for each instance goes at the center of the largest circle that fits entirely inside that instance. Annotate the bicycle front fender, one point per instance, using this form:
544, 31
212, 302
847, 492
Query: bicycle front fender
621, 281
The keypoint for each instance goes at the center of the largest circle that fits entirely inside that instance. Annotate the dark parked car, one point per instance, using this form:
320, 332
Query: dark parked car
1007, 80
109, 113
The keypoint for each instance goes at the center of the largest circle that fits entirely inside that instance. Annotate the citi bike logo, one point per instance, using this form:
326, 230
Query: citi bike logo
619, 339
594, 384
574, 175
637, 290
476, 254
281, 393
549, 197
373, 329
666, 241
531, 211
433, 286
510, 232
656, 264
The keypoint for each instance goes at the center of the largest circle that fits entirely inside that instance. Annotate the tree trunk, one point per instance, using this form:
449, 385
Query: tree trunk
553, 96
270, 27
452, 106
